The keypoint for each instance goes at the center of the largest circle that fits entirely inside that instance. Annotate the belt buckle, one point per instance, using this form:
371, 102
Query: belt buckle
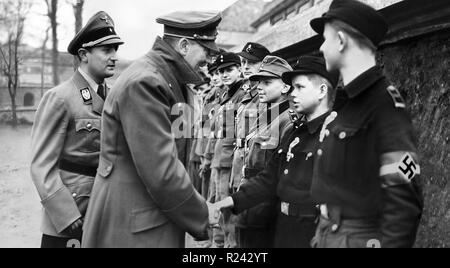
285, 208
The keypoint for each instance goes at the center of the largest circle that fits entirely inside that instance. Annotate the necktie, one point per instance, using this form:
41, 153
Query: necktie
101, 91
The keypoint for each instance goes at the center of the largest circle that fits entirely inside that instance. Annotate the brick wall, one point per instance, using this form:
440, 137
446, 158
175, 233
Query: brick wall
420, 68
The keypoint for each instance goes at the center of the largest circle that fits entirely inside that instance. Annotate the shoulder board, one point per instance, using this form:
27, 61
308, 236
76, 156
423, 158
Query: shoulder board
396, 97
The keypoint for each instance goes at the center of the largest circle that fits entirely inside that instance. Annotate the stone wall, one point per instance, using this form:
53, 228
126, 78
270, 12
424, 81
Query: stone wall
420, 68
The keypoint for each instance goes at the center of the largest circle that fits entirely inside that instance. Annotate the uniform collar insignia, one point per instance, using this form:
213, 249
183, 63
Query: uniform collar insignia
86, 95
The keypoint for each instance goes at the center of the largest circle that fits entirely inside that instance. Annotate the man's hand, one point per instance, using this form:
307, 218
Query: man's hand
75, 227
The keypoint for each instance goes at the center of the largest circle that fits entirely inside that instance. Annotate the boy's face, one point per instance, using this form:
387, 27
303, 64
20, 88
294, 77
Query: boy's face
216, 79
305, 96
331, 48
230, 75
249, 67
270, 90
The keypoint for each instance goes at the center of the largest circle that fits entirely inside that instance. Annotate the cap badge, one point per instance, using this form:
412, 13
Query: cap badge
106, 19
86, 95
249, 49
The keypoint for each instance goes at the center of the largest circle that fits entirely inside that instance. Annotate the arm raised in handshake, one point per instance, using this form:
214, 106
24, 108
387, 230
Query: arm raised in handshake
215, 210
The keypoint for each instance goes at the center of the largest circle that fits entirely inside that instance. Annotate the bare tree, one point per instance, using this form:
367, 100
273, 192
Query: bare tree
52, 13
44, 59
78, 12
13, 13
78, 6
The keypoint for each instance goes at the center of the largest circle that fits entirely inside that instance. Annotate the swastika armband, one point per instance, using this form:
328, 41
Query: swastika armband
396, 97
398, 168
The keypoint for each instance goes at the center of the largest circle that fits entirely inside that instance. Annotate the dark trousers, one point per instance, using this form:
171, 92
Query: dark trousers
254, 238
347, 234
58, 242
294, 232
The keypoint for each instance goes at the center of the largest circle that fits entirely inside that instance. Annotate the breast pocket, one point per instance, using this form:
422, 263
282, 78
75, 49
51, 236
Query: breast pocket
88, 132
348, 157
261, 150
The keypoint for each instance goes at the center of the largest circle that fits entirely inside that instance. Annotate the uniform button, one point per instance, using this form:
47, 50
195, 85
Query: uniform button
108, 169
327, 133
89, 126
264, 144
74, 195
280, 151
334, 228
343, 135
286, 172
320, 152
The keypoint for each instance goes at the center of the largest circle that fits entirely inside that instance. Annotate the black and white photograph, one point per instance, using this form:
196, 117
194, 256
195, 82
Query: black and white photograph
249, 125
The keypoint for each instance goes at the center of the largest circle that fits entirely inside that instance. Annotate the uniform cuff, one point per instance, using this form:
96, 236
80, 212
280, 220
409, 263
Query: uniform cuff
61, 209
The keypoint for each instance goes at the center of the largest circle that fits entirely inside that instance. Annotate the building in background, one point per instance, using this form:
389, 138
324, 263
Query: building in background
35, 79
236, 29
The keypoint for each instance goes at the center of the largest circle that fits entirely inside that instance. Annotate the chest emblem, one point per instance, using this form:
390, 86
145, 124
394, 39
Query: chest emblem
290, 155
325, 132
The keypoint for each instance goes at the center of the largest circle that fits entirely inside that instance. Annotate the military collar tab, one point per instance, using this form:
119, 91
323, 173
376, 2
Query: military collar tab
364, 82
315, 125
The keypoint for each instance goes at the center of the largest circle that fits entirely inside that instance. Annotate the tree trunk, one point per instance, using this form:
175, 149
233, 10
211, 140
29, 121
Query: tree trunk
78, 12
43, 58
52, 14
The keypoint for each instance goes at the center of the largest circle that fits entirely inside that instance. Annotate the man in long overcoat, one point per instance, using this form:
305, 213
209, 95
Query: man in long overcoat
143, 196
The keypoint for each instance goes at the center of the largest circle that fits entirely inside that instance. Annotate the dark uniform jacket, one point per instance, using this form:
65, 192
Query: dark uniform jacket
143, 196
66, 131
367, 164
246, 119
289, 172
225, 125
260, 144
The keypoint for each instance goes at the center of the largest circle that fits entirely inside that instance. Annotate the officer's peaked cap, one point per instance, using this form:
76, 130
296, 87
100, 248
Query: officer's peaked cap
99, 31
196, 25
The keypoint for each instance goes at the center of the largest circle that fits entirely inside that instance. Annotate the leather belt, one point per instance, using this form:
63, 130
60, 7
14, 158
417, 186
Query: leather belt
299, 210
250, 172
77, 168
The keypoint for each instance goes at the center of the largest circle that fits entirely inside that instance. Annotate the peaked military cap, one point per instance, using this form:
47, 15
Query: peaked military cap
360, 16
196, 25
254, 52
227, 59
311, 65
271, 67
99, 31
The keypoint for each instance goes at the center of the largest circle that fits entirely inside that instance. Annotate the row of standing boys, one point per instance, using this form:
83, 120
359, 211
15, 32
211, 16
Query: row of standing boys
271, 142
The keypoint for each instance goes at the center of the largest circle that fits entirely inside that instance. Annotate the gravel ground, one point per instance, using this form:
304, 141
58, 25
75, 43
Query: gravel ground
19, 203
20, 207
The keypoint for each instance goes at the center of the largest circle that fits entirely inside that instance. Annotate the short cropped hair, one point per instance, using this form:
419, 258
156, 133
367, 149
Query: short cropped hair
318, 80
361, 40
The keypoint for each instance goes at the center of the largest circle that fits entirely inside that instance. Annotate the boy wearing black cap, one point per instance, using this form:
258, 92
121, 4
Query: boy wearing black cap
367, 168
288, 174
229, 66
251, 57
66, 134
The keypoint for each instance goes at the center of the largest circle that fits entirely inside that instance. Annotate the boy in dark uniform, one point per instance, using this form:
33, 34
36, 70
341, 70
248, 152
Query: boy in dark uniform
367, 165
288, 174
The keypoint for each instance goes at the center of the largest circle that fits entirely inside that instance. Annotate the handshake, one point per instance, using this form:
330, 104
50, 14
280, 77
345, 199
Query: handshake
215, 210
